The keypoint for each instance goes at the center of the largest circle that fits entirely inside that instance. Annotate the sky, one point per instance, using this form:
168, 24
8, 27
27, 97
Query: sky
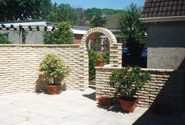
112, 4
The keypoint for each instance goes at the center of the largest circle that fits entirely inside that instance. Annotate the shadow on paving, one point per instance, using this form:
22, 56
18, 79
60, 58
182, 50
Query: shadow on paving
92, 95
149, 118
114, 108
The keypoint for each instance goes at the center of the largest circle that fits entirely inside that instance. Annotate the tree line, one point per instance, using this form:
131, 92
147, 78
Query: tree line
14, 10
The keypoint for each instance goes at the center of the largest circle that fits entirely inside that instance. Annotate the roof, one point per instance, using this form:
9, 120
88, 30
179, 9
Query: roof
26, 23
112, 22
163, 10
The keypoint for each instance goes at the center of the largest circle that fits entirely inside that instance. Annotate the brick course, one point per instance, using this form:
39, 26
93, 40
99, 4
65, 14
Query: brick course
19, 66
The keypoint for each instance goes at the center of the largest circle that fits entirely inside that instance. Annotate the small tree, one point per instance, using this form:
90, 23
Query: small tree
64, 35
98, 21
129, 22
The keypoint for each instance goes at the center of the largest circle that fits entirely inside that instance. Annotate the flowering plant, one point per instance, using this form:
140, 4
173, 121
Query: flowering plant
52, 66
100, 60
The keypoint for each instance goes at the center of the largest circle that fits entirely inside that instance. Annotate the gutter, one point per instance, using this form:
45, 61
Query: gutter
162, 19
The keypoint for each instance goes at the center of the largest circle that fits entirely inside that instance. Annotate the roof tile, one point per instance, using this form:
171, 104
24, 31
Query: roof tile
163, 8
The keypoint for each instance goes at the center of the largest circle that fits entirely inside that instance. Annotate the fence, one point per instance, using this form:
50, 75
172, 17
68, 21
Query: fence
102, 44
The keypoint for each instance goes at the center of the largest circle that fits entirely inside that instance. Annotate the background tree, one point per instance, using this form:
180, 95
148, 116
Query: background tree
12, 10
90, 12
129, 22
63, 35
98, 21
80, 16
63, 12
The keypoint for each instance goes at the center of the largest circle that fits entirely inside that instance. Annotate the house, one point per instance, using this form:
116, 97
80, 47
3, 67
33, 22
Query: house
166, 33
79, 32
35, 30
112, 23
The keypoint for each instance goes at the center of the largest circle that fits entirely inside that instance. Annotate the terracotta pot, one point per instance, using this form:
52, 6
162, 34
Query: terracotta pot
105, 101
128, 105
99, 63
53, 89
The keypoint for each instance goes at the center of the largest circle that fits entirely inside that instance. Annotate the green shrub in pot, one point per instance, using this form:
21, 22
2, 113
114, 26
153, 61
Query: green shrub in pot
128, 80
53, 67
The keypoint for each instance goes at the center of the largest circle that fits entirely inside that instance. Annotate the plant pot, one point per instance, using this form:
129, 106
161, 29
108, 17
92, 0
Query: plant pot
99, 63
105, 101
53, 89
128, 105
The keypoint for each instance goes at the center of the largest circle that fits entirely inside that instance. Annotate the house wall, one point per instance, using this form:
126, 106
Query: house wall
33, 37
19, 66
166, 45
165, 87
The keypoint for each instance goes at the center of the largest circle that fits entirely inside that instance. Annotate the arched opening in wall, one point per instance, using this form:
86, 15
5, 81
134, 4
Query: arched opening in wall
97, 46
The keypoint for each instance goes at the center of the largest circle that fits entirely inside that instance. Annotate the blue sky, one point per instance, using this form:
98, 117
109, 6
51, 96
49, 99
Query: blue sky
112, 4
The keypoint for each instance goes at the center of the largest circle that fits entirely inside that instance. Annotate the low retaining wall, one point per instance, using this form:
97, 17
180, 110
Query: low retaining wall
165, 87
19, 66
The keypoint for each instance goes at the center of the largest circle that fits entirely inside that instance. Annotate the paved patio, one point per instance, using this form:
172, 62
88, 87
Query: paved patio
74, 107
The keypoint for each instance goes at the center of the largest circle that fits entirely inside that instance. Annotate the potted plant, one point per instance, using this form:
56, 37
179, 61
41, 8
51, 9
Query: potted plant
100, 62
127, 82
53, 68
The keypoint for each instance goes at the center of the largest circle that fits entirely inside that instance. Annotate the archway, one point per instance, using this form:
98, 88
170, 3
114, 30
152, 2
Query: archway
115, 58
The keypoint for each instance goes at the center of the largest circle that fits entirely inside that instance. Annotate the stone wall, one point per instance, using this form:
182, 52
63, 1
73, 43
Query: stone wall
165, 87
19, 67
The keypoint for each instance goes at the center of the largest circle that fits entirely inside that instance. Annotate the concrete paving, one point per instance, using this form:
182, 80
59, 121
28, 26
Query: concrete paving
74, 107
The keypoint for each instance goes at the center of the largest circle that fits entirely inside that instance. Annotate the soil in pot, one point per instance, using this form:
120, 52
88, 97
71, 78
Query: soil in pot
128, 104
53, 89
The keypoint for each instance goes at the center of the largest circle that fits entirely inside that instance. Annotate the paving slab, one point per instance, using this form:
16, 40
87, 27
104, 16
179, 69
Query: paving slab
73, 107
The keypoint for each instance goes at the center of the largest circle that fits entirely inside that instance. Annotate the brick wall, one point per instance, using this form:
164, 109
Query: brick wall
19, 67
165, 87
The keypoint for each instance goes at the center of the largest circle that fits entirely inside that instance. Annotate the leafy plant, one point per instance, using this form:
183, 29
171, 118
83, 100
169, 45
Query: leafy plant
3, 40
106, 57
128, 80
53, 67
92, 63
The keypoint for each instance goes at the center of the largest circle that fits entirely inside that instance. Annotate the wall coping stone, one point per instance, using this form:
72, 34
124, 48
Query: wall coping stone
38, 45
145, 69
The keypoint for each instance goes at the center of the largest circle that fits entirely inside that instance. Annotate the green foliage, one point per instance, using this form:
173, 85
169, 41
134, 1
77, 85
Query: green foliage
63, 12
98, 21
94, 11
53, 67
80, 16
134, 47
106, 57
11, 10
129, 22
128, 80
61, 36
92, 63
3, 40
